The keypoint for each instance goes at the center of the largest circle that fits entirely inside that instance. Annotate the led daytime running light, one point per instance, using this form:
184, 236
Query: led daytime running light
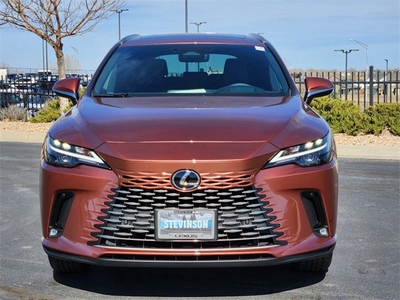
281, 157
91, 156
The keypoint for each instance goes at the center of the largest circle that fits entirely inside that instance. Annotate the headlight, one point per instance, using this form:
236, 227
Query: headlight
312, 153
62, 154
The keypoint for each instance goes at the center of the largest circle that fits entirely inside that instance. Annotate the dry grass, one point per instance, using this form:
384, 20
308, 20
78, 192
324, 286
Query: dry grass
13, 113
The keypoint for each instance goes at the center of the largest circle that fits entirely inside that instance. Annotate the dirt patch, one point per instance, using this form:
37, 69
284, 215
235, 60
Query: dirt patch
24, 126
14, 292
384, 139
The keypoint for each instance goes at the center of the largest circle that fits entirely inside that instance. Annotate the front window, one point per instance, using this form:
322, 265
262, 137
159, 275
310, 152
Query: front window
198, 69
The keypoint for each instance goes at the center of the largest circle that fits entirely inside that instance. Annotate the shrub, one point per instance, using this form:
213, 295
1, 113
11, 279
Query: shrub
345, 117
82, 91
384, 116
342, 117
50, 112
13, 113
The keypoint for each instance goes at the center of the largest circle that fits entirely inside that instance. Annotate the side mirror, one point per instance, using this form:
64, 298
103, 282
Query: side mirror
68, 88
317, 87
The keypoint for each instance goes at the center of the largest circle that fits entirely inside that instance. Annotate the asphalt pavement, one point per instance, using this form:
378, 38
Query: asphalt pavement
347, 151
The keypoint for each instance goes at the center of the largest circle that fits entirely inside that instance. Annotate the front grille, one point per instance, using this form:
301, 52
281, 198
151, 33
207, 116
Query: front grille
185, 258
218, 180
244, 219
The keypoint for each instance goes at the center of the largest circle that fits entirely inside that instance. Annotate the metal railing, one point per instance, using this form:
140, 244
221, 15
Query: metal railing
362, 88
28, 93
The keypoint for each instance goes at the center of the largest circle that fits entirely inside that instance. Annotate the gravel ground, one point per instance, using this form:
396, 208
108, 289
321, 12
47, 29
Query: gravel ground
385, 139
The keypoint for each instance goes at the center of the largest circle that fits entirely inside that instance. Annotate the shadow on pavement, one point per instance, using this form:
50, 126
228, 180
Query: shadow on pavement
189, 282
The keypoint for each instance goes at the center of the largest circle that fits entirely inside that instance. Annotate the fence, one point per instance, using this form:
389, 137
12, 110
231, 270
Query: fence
362, 88
30, 90
16, 70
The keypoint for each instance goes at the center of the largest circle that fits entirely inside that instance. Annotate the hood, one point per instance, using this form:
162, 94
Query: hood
184, 128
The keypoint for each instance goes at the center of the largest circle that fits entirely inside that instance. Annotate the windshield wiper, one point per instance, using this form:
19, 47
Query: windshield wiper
114, 95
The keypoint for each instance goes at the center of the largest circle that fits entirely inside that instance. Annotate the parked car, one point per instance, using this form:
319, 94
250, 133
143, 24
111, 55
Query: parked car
12, 77
85, 79
33, 89
46, 82
34, 103
68, 75
32, 76
4, 84
9, 98
22, 83
161, 164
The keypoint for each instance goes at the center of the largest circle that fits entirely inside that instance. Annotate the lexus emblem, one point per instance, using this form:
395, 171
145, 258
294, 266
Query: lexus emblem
185, 180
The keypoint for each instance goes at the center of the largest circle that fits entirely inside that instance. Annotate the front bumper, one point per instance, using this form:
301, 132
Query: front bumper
280, 189
199, 262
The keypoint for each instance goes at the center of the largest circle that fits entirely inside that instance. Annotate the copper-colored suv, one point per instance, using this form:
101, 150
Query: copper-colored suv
190, 150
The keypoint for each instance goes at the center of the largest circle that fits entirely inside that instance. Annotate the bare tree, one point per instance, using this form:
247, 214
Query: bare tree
53, 20
71, 64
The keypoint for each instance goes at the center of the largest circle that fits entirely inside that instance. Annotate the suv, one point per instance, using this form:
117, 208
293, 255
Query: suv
9, 98
190, 150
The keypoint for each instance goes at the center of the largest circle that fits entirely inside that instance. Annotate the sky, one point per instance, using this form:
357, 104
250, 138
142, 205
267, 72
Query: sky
306, 33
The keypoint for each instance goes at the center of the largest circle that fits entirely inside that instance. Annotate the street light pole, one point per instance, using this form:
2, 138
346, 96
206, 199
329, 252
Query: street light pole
198, 25
365, 46
119, 12
186, 17
346, 52
77, 53
385, 78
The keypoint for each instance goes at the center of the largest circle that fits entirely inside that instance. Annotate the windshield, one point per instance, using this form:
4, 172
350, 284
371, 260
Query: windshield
195, 69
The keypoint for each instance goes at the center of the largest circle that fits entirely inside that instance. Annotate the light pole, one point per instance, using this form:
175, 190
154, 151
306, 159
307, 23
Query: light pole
198, 25
346, 52
385, 78
119, 12
186, 17
45, 54
77, 53
44, 58
365, 46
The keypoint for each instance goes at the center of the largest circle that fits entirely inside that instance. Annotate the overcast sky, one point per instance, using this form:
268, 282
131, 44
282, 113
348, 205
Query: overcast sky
305, 32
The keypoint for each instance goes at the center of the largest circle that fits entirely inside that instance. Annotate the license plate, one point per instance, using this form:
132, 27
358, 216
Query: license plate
186, 224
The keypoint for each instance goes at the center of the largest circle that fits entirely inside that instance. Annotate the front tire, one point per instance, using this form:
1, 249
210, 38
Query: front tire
66, 266
315, 265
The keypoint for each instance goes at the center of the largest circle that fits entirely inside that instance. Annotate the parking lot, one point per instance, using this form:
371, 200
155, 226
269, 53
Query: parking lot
30, 90
365, 265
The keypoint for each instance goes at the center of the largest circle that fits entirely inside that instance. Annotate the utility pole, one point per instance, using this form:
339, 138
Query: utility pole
365, 46
119, 12
186, 17
346, 52
198, 25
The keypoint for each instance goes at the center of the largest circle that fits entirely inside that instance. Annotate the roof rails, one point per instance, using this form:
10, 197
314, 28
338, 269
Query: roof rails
129, 37
259, 37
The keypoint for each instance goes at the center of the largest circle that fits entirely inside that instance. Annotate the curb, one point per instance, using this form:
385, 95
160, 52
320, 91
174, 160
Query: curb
369, 152
24, 137
344, 151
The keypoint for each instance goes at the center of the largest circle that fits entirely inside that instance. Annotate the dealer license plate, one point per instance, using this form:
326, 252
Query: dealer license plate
186, 224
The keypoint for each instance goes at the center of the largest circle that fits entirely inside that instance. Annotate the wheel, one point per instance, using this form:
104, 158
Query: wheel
315, 265
66, 266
